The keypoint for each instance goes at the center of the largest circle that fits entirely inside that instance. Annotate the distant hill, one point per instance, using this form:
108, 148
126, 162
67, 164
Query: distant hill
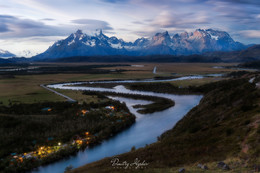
15, 60
252, 64
6, 54
250, 54
125, 58
197, 42
5, 61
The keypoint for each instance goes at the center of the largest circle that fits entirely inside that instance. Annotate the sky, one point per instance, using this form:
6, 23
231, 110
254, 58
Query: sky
34, 25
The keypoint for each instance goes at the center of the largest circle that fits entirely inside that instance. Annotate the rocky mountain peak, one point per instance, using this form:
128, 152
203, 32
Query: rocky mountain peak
199, 33
161, 38
163, 34
79, 32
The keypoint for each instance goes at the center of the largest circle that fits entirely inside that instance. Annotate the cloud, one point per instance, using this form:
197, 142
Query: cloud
12, 26
4, 20
48, 19
235, 2
168, 20
248, 2
138, 23
93, 24
250, 33
3, 28
4, 6
234, 10
235, 14
128, 19
115, 1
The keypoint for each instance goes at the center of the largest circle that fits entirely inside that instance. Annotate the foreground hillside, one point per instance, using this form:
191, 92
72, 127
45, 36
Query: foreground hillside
223, 127
250, 54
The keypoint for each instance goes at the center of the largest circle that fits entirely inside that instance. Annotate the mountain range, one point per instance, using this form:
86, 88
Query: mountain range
197, 42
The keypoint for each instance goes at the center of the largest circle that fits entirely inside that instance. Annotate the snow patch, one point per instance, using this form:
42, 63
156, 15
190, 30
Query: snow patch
116, 46
214, 37
81, 36
91, 43
132, 47
73, 41
2, 51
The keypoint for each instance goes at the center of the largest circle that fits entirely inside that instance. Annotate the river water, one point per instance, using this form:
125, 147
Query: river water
144, 131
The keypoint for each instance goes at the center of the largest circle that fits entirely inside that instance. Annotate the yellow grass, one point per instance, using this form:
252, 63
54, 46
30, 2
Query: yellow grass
195, 82
26, 88
180, 68
77, 95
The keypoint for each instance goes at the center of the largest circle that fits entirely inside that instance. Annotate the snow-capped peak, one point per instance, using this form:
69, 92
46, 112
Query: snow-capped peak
26, 53
3, 51
6, 54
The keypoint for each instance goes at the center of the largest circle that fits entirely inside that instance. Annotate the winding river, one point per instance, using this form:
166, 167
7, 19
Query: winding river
144, 131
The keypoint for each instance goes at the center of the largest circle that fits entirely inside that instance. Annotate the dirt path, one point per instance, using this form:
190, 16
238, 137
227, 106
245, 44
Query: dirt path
62, 95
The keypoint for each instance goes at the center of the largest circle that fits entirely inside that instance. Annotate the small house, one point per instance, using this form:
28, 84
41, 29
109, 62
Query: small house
84, 112
47, 109
110, 107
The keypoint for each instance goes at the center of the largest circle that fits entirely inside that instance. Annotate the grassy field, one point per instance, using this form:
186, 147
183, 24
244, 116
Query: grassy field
26, 88
77, 95
179, 68
194, 82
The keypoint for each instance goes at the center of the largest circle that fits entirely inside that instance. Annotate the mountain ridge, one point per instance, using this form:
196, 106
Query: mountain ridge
197, 42
6, 54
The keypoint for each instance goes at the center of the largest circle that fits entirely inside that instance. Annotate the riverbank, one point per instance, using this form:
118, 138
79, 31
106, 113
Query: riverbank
137, 135
158, 103
60, 129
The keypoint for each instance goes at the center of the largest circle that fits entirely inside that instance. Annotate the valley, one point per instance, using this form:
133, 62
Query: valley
218, 129
165, 81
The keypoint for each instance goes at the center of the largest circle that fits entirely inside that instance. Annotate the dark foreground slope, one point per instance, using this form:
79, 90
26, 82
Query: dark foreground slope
250, 54
253, 64
223, 126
